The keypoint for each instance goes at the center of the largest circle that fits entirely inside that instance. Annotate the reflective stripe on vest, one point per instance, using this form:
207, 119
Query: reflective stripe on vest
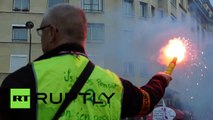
99, 99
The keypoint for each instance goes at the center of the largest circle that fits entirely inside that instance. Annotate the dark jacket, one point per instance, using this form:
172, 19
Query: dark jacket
132, 102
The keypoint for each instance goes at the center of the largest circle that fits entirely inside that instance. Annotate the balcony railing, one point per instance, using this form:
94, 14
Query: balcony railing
201, 8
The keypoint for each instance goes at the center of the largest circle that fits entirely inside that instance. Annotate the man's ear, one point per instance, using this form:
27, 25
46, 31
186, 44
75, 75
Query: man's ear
53, 32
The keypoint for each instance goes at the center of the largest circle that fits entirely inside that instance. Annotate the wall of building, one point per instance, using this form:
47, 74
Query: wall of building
10, 18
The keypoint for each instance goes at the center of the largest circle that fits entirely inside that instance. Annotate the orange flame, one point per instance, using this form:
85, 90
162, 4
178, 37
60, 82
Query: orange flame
174, 48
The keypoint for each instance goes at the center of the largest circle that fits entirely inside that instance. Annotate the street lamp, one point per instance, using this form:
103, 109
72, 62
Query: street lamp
29, 25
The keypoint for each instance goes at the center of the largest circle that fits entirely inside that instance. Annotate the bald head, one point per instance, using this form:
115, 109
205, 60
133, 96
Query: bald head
69, 22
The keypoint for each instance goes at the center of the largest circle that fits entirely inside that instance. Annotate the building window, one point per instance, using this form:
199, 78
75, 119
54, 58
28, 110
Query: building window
173, 18
203, 36
181, 2
17, 61
153, 11
161, 12
144, 70
95, 32
128, 35
173, 2
21, 5
144, 9
183, 17
54, 2
92, 5
128, 69
19, 34
128, 8
209, 50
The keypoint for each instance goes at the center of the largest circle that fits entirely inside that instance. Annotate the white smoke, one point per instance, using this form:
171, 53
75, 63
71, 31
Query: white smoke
140, 41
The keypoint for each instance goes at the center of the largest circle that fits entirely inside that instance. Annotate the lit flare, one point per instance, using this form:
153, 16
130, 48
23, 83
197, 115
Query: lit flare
175, 48
174, 52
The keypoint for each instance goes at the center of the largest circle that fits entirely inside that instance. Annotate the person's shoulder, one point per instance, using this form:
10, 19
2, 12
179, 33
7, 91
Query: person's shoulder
19, 78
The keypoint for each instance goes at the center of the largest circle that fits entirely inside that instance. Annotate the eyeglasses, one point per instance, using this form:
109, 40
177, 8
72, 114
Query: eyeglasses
39, 30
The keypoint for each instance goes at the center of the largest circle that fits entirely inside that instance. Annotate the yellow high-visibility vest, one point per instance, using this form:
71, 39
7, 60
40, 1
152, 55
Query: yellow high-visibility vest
99, 99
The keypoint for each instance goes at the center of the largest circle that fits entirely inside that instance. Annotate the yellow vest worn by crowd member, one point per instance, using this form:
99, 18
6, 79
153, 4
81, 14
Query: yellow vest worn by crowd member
99, 99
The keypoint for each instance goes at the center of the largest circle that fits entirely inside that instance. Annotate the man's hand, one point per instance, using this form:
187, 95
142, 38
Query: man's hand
166, 76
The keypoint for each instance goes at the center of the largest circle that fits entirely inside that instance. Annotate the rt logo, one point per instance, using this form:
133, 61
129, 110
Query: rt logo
19, 98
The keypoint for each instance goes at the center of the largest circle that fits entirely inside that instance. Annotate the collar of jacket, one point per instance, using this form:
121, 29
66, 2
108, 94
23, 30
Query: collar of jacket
64, 47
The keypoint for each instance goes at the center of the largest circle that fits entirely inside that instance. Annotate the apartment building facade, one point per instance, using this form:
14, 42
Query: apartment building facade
111, 30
